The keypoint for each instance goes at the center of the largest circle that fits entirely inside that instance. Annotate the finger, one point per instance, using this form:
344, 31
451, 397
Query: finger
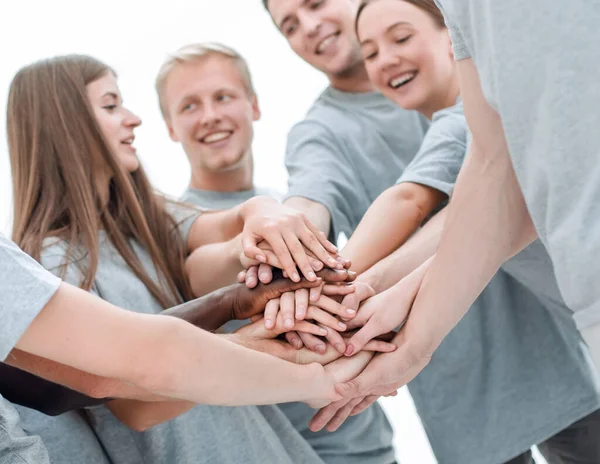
364, 405
315, 293
312, 243
325, 318
333, 275
301, 297
342, 414
380, 346
271, 313
251, 250
299, 254
313, 343
310, 328
321, 418
333, 307
281, 251
336, 340
294, 339
265, 273
320, 237
288, 310
241, 277
362, 337
338, 289
252, 277
391, 395
359, 386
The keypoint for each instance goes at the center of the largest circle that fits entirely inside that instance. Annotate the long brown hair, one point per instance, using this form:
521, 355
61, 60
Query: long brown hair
54, 142
428, 6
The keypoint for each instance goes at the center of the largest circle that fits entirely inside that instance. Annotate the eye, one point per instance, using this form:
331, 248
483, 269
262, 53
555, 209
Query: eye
316, 5
110, 108
369, 55
224, 98
290, 29
403, 39
188, 107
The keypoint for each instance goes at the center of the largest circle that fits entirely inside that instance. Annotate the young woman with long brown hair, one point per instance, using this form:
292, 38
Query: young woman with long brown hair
85, 209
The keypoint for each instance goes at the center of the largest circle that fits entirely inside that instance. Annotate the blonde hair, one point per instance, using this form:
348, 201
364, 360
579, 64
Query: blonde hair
193, 53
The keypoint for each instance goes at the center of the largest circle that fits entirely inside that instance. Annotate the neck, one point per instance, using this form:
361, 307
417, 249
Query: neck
354, 80
234, 180
445, 99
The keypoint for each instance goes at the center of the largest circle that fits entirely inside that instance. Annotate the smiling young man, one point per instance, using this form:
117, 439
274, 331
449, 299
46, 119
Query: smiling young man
352, 145
209, 104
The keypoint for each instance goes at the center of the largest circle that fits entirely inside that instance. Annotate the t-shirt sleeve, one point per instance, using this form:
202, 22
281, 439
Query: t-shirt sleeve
184, 215
320, 171
459, 46
442, 152
26, 288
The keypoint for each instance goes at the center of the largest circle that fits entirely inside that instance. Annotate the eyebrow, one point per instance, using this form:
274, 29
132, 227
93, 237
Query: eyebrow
399, 23
288, 16
111, 94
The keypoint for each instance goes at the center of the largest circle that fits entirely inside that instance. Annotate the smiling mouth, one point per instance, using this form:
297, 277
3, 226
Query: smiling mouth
403, 79
326, 42
216, 137
128, 142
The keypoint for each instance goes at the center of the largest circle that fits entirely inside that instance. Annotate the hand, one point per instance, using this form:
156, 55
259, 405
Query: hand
384, 375
289, 233
353, 301
245, 302
384, 312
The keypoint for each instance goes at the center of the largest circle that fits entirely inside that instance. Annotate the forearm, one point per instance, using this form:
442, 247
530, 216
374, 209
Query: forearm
214, 266
163, 355
140, 416
420, 247
487, 223
394, 216
315, 212
215, 227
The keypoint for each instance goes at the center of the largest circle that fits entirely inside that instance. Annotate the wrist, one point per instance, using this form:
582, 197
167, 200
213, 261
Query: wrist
248, 208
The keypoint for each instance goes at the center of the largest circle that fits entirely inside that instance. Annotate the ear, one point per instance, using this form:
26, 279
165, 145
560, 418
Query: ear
172, 133
255, 109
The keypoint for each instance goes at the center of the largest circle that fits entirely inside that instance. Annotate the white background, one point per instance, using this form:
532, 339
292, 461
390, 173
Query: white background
133, 37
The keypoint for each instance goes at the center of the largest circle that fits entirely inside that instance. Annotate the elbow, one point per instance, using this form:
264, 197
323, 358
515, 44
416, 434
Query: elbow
416, 201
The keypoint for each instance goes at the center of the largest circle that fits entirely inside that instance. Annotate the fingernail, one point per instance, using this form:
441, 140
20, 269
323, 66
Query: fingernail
350, 311
269, 324
323, 331
341, 325
261, 258
338, 347
288, 323
351, 273
264, 275
311, 275
320, 348
349, 350
333, 262
297, 344
295, 277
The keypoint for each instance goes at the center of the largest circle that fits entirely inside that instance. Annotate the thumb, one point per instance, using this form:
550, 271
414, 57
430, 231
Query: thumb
352, 389
251, 250
362, 337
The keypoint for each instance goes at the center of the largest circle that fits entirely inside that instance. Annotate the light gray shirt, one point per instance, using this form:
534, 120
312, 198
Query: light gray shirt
349, 443
515, 370
221, 435
26, 288
212, 200
542, 77
349, 149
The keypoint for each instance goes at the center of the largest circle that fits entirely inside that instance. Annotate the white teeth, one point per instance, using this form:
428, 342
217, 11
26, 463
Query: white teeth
325, 43
128, 141
401, 80
216, 137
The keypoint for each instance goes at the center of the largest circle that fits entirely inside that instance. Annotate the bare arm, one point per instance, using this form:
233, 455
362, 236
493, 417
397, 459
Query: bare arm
487, 223
394, 216
164, 355
316, 213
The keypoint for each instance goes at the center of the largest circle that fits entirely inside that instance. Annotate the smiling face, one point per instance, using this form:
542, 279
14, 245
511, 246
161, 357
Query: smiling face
408, 55
210, 110
320, 32
116, 122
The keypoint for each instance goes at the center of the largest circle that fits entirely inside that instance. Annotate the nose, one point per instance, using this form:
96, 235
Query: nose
210, 115
388, 58
310, 23
132, 120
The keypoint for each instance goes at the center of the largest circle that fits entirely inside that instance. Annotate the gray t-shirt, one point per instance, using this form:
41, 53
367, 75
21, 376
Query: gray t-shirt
547, 95
485, 395
349, 149
211, 200
26, 288
225, 435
